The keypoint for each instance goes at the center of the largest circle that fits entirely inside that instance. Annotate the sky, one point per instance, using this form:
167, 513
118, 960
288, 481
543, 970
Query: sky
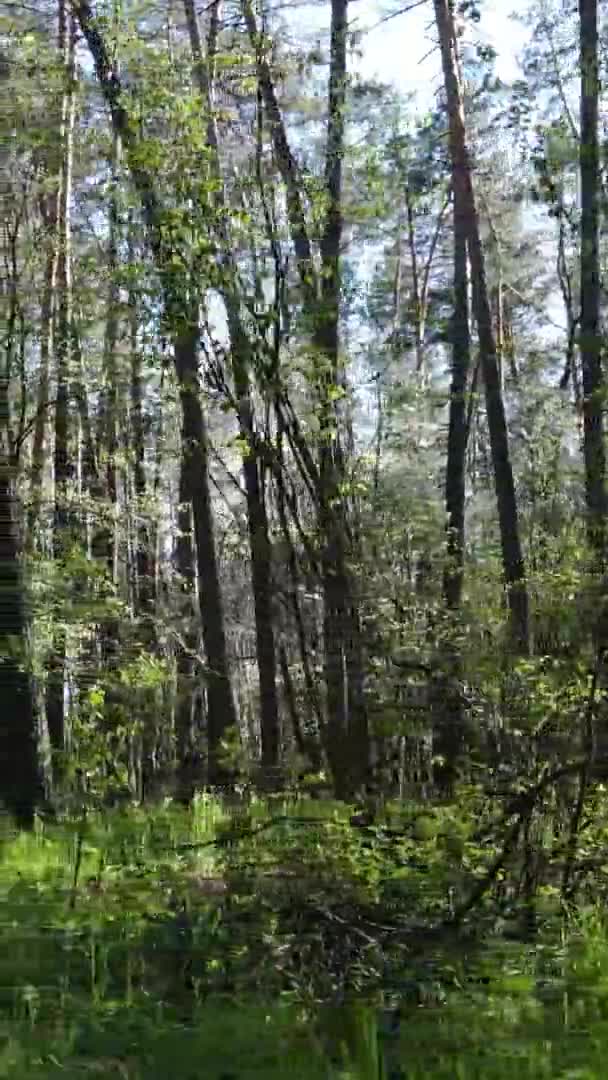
400, 49
397, 50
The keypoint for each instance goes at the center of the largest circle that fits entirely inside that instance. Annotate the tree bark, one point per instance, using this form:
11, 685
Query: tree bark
457, 429
590, 339
462, 182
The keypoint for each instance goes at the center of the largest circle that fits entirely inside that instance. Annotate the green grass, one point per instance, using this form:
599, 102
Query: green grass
114, 962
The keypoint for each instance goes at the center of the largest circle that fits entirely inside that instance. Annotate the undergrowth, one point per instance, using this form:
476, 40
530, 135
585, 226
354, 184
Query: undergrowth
280, 940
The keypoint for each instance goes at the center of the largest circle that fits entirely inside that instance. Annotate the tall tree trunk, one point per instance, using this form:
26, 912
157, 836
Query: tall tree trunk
144, 563
347, 719
20, 773
253, 467
346, 734
63, 466
221, 713
512, 556
20, 777
104, 544
449, 740
50, 215
287, 165
187, 757
457, 429
590, 339
183, 320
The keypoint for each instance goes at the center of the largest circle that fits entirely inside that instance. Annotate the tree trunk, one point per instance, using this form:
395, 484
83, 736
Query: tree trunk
104, 543
347, 744
20, 773
182, 316
253, 468
450, 733
50, 214
346, 735
63, 465
20, 777
457, 430
186, 755
513, 561
221, 713
590, 339
144, 569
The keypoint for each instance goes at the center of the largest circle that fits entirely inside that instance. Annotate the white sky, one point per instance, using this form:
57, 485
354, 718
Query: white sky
397, 49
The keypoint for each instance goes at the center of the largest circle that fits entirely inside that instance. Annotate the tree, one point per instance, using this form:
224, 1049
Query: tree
242, 355
513, 561
181, 301
20, 779
590, 284
62, 463
346, 735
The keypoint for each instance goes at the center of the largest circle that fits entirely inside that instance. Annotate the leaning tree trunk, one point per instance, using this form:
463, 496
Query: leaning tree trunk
182, 317
590, 337
462, 182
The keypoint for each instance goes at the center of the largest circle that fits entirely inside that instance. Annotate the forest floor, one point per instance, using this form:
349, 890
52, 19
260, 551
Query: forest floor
279, 940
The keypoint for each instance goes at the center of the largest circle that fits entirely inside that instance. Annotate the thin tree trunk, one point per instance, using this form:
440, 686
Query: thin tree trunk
313, 747
253, 468
590, 340
183, 320
449, 737
90, 468
106, 547
513, 561
63, 465
457, 429
185, 751
50, 213
419, 313
144, 570
287, 165
221, 713
348, 742
346, 734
